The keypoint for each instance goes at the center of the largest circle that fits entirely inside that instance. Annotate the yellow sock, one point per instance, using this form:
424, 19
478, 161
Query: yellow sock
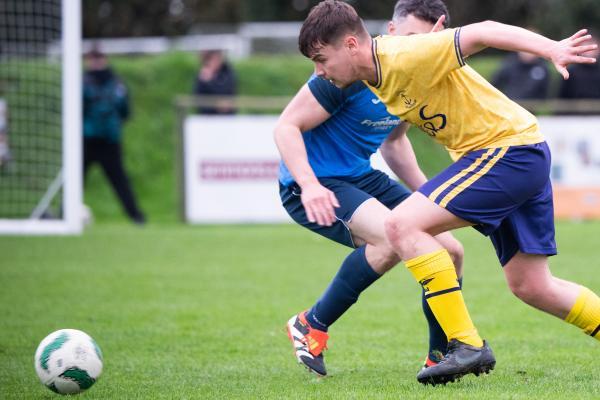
585, 314
435, 272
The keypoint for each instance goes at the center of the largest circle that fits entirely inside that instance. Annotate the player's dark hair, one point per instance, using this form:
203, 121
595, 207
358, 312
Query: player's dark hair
426, 10
326, 23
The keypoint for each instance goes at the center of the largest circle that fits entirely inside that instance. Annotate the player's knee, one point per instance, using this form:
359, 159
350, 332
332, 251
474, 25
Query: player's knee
526, 290
518, 289
395, 230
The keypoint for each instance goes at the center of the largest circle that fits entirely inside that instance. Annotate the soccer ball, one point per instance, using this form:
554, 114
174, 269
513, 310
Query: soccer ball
68, 361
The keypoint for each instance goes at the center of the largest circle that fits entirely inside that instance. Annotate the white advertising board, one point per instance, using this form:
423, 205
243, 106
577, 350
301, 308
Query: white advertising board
230, 170
575, 145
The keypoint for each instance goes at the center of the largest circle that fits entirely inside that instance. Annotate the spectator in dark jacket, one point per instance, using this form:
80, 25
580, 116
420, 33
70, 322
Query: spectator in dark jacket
523, 76
105, 108
215, 77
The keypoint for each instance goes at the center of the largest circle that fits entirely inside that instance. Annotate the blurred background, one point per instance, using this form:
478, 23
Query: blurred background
112, 18
158, 64
158, 49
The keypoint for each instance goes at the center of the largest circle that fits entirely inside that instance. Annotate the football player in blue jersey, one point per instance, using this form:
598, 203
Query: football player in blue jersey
326, 136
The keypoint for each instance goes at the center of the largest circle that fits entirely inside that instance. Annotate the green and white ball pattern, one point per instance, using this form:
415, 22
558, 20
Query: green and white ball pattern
68, 361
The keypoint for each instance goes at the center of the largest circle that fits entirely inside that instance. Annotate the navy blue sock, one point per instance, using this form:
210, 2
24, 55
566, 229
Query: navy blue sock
354, 276
438, 342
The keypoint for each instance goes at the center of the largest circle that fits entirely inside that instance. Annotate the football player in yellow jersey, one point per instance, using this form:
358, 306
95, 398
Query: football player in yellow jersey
326, 137
499, 182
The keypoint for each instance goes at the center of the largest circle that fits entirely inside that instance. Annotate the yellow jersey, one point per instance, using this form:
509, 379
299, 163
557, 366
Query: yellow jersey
423, 79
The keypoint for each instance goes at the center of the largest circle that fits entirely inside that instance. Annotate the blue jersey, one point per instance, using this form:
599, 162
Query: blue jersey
342, 146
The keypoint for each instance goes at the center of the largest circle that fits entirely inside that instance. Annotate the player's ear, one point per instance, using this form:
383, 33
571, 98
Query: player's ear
391, 28
439, 25
352, 44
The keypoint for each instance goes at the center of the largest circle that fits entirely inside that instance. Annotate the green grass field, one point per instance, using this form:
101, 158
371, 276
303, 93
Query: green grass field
198, 312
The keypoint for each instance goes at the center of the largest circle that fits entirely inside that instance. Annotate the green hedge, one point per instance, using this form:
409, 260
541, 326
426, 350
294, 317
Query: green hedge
150, 135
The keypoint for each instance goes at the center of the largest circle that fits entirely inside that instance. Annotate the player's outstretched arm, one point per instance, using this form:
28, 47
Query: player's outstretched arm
476, 37
304, 113
400, 157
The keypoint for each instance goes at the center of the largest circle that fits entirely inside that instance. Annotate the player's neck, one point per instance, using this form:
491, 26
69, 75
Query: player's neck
367, 67
370, 67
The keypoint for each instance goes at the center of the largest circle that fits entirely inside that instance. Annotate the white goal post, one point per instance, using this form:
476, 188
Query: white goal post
58, 186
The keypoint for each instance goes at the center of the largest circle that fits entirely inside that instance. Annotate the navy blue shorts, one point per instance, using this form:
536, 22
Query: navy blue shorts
506, 193
351, 193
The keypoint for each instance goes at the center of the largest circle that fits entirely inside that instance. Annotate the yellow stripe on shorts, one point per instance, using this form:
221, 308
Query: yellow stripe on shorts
473, 178
433, 196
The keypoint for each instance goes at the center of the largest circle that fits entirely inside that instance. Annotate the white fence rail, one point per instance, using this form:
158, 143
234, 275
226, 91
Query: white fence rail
240, 42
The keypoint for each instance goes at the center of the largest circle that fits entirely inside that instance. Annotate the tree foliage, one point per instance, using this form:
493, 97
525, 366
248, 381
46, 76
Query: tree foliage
122, 18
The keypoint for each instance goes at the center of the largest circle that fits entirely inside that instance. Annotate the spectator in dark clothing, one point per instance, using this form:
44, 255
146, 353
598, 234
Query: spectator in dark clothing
523, 76
584, 79
215, 77
105, 108
5, 155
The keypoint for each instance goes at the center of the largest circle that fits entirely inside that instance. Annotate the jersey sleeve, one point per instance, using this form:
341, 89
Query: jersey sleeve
327, 94
428, 58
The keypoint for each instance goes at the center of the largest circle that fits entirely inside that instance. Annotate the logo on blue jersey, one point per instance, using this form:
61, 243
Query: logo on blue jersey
384, 123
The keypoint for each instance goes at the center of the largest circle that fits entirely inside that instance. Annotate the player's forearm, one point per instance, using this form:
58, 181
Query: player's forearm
411, 175
400, 157
478, 36
293, 153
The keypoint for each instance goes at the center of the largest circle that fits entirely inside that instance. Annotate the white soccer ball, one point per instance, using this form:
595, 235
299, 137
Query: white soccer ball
68, 361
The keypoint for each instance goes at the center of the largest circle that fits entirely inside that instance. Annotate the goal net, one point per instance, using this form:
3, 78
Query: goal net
40, 116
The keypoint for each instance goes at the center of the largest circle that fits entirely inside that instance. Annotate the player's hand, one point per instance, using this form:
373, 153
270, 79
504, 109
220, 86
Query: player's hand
319, 203
439, 24
572, 51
